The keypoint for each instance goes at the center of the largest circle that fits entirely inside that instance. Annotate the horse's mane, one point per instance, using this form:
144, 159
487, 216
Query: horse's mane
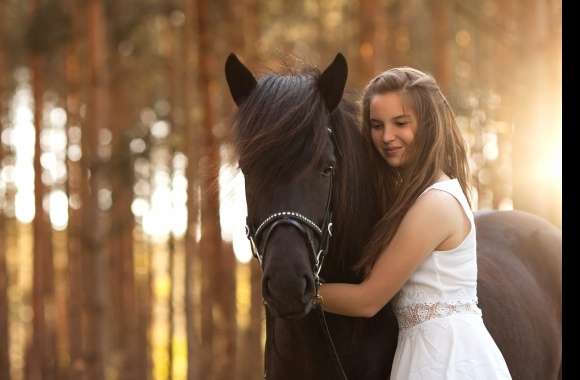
281, 131
355, 199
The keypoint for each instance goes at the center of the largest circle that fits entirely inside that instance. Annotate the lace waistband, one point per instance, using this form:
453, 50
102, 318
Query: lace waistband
412, 315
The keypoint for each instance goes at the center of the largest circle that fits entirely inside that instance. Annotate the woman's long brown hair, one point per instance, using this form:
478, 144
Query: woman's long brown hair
437, 147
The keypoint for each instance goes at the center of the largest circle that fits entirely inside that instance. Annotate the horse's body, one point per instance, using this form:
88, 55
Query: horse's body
519, 255
519, 258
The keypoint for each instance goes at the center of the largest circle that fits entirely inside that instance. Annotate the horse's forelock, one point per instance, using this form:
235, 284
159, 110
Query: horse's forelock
281, 127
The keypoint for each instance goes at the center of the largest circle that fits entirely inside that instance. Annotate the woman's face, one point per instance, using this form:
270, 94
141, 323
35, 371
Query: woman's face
393, 127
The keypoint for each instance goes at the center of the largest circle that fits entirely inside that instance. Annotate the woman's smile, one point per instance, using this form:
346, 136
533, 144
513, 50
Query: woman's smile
393, 151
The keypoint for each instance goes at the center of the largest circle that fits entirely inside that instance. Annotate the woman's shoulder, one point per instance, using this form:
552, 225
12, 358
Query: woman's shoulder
431, 219
438, 200
433, 204
444, 201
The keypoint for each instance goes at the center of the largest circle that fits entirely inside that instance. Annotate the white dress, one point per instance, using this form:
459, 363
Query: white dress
441, 331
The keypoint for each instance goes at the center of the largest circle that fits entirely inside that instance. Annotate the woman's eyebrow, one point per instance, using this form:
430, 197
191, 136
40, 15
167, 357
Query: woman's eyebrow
403, 116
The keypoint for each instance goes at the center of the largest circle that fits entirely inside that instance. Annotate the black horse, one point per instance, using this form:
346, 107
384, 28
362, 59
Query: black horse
307, 171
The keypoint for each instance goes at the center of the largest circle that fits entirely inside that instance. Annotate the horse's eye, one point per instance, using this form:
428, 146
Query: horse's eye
327, 170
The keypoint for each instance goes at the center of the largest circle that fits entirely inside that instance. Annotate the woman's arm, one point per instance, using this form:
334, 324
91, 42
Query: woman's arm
429, 222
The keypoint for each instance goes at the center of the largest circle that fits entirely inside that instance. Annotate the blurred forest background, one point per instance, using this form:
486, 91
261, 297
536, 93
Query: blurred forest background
120, 257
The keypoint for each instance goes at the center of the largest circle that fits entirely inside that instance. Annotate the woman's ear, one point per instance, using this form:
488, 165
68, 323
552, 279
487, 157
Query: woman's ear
240, 80
332, 81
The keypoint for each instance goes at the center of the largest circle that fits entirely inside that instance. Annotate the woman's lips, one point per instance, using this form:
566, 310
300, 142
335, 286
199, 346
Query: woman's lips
392, 151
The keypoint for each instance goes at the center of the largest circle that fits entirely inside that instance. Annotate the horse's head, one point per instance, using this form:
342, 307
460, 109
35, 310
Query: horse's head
284, 139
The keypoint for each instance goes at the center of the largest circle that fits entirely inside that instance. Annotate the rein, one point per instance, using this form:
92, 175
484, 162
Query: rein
319, 251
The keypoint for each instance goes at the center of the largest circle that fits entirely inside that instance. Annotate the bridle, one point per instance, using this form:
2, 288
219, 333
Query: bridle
306, 226
259, 238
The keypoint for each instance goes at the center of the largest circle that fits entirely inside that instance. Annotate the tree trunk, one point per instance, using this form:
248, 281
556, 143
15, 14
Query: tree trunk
367, 46
209, 162
4, 280
191, 151
74, 188
442, 36
93, 230
226, 294
380, 40
150, 304
170, 306
4, 307
144, 285
43, 365
172, 75
124, 246
121, 250
227, 308
399, 41
4, 284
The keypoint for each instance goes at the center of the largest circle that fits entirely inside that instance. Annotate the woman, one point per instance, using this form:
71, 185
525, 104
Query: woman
422, 255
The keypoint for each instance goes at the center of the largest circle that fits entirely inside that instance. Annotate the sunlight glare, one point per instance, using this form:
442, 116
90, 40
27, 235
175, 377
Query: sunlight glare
548, 166
48, 160
53, 139
24, 206
74, 152
241, 246
233, 211
24, 177
506, 204
139, 207
142, 187
179, 221
137, 145
7, 174
23, 113
157, 222
74, 135
179, 200
490, 149
58, 210
75, 201
6, 137
23, 139
180, 161
160, 129
105, 199
58, 117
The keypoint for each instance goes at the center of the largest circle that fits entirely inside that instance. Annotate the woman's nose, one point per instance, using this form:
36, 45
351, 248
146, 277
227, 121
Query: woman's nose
388, 135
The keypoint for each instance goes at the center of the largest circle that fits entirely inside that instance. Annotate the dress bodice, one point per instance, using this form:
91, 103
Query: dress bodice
446, 282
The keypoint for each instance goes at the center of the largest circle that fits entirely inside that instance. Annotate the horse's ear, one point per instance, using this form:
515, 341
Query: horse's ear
240, 80
332, 81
